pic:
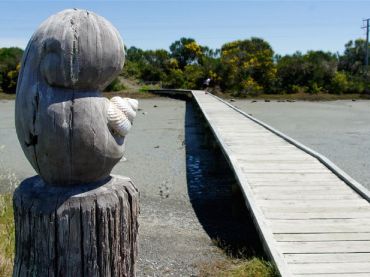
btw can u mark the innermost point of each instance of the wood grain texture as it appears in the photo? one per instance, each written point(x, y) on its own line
point(320, 237)
point(60, 116)
point(327, 258)
point(88, 230)
point(331, 268)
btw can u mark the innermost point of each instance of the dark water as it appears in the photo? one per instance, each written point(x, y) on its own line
point(222, 213)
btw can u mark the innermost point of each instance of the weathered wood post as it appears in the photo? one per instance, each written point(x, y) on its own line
point(74, 218)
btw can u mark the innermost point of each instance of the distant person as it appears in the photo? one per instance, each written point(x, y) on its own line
point(206, 83)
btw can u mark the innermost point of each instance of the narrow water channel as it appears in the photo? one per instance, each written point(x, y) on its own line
point(220, 209)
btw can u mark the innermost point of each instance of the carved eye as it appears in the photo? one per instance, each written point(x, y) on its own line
point(51, 45)
point(51, 64)
point(50, 69)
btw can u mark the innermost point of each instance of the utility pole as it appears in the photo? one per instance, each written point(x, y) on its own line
point(367, 43)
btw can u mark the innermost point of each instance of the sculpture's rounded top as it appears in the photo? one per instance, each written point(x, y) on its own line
point(78, 50)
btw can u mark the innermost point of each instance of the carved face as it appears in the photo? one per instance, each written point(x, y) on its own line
point(61, 120)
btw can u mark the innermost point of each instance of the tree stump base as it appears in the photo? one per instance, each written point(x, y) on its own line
point(87, 230)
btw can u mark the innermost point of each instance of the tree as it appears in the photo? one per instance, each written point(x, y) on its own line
point(310, 72)
point(174, 79)
point(290, 71)
point(134, 54)
point(10, 59)
point(149, 65)
point(186, 51)
point(194, 76)
point(321, 68)
point(154, 66)
point(12, 78)
point(352, 60)
point(247, 65)
point(250, 67)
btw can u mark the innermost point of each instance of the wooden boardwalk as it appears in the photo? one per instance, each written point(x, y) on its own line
point(314, 219)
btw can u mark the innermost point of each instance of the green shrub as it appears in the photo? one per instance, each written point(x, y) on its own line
point(145, 88)
point(194, 76)
point(251, 87)
point(298, 89)
point(131, 70)
point(356, 86)
point(315, 88)
point(175, 79)
point(9, 68)
point(116, 85)
point(339, 83)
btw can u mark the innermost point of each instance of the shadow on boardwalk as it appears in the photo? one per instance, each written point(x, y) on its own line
point(222, 214)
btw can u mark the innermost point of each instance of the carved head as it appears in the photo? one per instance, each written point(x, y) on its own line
point(84, 50)
point(68, 132)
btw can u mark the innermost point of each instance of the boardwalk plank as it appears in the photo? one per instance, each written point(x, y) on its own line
point(308, 214)
point(312, 203)
point(328, 258)
point(282, 165)
point(317, 209)
point(331, 268)
point(305, 247)
point(333, 188)
point(323, 237)
point(309, 196)
point(292, 183)
point(367, 274)
point(320, 226)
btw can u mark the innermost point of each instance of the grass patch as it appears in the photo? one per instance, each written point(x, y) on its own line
point(133, 89)
point(146, 88)
point(8, 182)
point(7, 239)
point(239, 262)
point(130, 94)
point(254, 267)
point(7, 96)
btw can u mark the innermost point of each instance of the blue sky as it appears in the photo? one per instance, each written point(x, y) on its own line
point(287, 25)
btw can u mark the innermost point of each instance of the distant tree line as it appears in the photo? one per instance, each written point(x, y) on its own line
point(242, 67)
point(9, 68)
point(251, 67)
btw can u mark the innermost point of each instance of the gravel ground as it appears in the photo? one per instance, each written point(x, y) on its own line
point(340, 130)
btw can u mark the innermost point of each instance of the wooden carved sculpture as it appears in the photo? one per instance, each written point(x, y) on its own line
point(68, 132)
point(74, 219)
